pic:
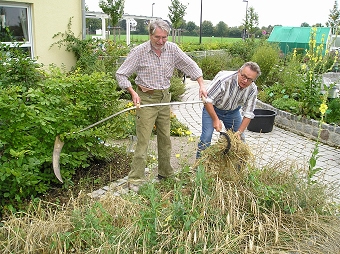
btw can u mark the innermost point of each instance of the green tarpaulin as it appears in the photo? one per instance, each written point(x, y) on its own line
point(290, 38)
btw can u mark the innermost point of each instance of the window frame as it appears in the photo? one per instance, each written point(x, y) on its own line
point(23, 44)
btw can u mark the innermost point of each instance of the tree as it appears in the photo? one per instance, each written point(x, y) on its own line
point(235, 32)
point(221, 29)
point(191, 26)
point(305, 24)
point(252, 21)
point(176, 14)
point(318, 25)
point(141, 27)
point(207, 28)
point(113, 8)
point(334, 18)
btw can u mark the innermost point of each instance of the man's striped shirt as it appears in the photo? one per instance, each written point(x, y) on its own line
point(225, 93)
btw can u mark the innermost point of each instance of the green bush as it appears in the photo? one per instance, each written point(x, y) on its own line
point(212, 64)
point(278, 91)
point(16, 66)
point(266, 56)
point(31, 119)
point(177, 128)
point(286, 72)
point(287, 104)
point(177, 88)
point(243, 49)
point(333, 112)
point(91, 54)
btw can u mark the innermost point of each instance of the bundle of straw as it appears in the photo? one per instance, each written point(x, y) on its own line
point(230, 166)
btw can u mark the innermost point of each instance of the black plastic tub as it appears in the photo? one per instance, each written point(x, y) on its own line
point(263, 121)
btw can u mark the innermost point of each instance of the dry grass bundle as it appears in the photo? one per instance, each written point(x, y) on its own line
point(230, 166)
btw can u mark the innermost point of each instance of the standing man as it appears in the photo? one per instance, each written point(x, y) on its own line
point(227, 93)
point(154, 62)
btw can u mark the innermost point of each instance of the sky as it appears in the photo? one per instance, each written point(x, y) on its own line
point(232, 12)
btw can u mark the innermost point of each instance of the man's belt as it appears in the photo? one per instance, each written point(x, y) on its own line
point(146, 91)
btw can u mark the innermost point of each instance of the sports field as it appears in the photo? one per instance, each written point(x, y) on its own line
point(185, 39)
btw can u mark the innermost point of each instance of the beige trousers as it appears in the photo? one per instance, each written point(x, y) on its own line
point(146, 119)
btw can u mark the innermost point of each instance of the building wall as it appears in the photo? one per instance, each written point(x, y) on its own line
point(50, 17)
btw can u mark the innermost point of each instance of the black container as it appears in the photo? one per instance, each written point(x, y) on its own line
point(263, 121)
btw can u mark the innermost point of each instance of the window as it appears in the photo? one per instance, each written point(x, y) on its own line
point(15, 25)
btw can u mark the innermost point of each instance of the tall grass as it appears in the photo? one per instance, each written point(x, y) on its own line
point(272, 210)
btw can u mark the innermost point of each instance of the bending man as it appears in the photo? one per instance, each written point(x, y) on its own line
point(227, 93)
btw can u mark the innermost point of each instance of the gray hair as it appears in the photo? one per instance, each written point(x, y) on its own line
point(158, 23)
point(253, 66)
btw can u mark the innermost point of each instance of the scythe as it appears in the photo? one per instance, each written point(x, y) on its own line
point(58, 144)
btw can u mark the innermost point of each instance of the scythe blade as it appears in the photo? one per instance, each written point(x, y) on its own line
point(58, 145)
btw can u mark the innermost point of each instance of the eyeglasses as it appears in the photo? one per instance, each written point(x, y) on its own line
point(246, 78)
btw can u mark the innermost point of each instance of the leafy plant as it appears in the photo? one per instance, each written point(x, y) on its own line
point(315, 64)
point(91, 54)
point(333, 112)
point(177, 87)
point(312, 169)
point(177, 128)
point(31, 119)
point(266, 56)
point(287, 104)
point(91, 226)
point(243, 49)
point(214, 63)
point(148, 222)
point(16, 66)
point(299, 77)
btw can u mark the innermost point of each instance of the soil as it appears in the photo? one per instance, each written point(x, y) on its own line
point(102, 173)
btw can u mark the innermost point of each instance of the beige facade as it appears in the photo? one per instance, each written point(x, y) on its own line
point(49, 17)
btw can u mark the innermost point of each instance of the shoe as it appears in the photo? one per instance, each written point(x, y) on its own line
point(160, 178)
point(163, 178)
point(133, 187)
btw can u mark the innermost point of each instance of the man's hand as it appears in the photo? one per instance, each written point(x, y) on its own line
point(217, 125)
point(134, 95)
point(238, 134)
point(135, 99)
point(203, 92)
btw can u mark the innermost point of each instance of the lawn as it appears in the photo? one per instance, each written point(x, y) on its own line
point(185, 39)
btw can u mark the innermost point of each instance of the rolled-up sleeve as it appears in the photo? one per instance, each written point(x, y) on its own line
point(250, 103)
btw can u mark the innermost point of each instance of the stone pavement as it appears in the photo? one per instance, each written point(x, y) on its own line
point(278, 146)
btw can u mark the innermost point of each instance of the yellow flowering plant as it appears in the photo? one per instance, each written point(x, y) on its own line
point(323, 108)
point(177, 128)
point(312, 169)
point(316, 61)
